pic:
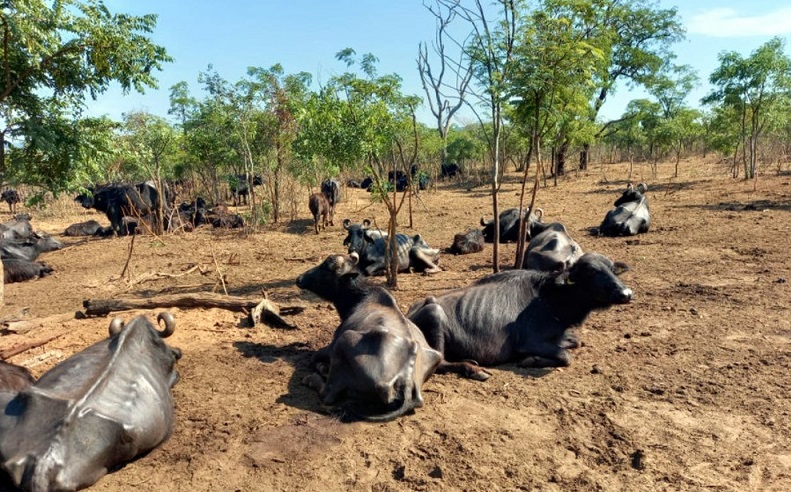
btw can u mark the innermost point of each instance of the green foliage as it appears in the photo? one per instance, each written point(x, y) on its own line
point(55, 55)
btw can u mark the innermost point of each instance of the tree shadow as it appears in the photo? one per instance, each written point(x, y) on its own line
point(737, 206)
point(300, 227)
point(298, 356)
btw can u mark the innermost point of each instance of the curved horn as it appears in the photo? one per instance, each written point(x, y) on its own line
point(629, 187)
point(539, 213)
point(355, 258)
point(642, 187)
point(366, 223)
point(347, 223)
point(116, 325)
point(483, 223)
point(170, 324)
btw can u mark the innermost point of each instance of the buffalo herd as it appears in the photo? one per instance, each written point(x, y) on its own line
point(113, 401)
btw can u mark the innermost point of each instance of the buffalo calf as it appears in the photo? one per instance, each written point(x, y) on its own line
point(320, 208)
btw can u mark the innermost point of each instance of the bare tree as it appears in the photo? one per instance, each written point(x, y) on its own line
point(443, 104)
point(488, 53)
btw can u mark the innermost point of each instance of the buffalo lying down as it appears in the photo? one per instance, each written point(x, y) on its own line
point(551, 248)
point(99, 408)
point(378, 360)
point(631, 214)
point(518, 315)
point(413, 252)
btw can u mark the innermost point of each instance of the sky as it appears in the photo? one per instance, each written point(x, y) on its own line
point(305, 35)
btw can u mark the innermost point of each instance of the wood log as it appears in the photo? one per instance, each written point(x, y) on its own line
point(22, 326)
point(102, 307)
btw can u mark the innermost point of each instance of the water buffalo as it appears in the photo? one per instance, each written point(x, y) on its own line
point(518, 315)
point(17, 228)
point(320, 208)
point(449, 170)
point(551, 248)
point(18, 270)
point(631, 214)
point(87, 228)
point(468, 242)
point(119, 201)
point(11, 197)
point(413, 252)
point(95, 410)
point(331, 188)
point(13, 378)
point(378, 360)
point(30, 248)
point(509, 225)
point(240, 185)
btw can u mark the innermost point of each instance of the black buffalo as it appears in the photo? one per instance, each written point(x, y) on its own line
point(119, 201)
point(240, 185)
point(518, 315)
point(551, 248)
point(378, 360)
point(11, 197)
point(331, 189)
point(468, 242)
point(16, 270)
point(13, 378)
point(29, 248)
point(87, 228)
point(413, 252)
point(631, 214)
point(449, 171)
point(17, 228)
point(509, 225)
point(95, 410)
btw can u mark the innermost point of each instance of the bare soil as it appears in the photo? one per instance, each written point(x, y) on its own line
point(686, 388)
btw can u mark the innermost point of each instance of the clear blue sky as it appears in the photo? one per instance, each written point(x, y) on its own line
point(304, 35)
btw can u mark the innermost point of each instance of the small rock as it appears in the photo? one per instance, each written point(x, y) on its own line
point(436, 472)
point(693, 310)
point(596, 370)
point(780, 280)
point(400, 472)
point(638, 460)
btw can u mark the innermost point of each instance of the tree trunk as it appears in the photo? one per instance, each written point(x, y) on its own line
point(584, 156)
point(560, 158)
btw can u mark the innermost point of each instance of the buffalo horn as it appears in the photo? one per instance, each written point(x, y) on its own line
point(170, 324)
point(116, 325)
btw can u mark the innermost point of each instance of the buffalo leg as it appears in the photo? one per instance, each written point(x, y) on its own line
point(426, 263)
point(431, 319)
point(545, 354)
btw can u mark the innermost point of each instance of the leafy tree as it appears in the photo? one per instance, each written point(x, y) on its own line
point(149, 144)
point(752, 86)
point(635, 37)
point(364, 118)
point(53, 56)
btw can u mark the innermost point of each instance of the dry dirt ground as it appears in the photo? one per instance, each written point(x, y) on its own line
point(686, 388)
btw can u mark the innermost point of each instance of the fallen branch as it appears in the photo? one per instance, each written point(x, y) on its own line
point(268, 312)
point(22, 326)
point(24, 347)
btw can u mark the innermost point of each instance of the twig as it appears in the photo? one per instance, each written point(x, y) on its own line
point(129, 256)
point(145, 277)
point(217, 266)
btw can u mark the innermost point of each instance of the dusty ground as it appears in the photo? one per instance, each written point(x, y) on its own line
point(686, 388)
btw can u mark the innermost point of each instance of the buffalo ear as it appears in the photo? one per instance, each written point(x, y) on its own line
point(619, 268)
